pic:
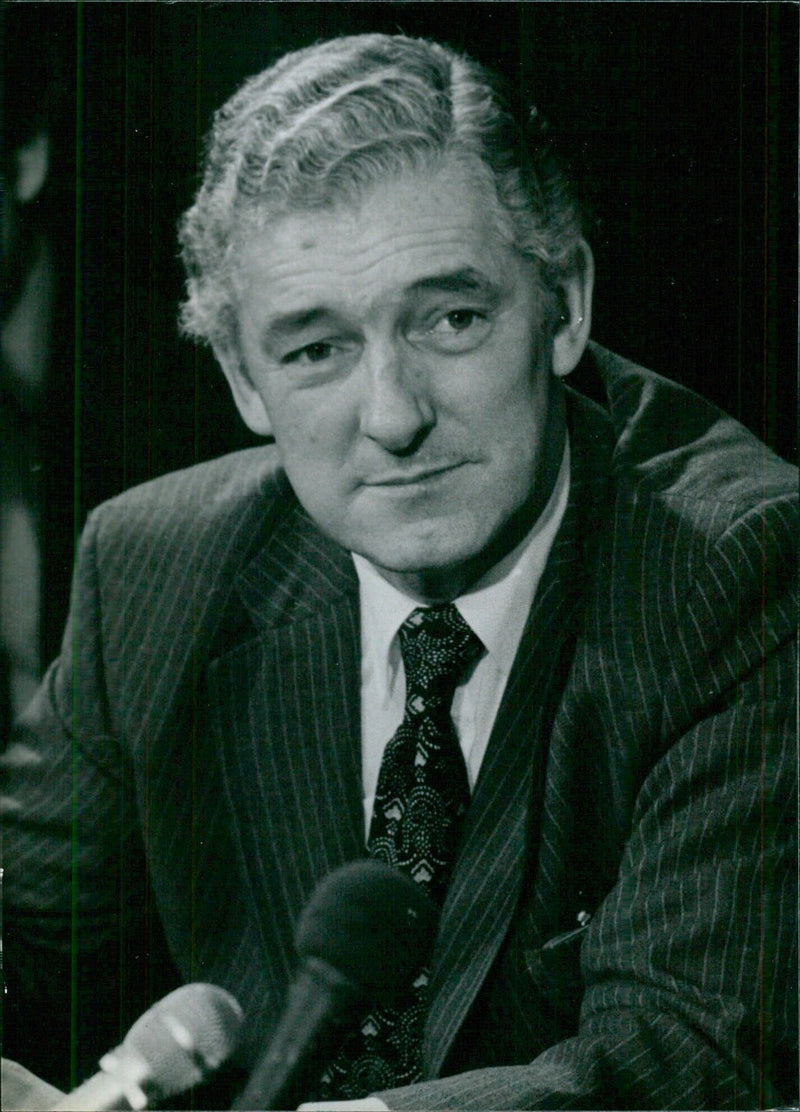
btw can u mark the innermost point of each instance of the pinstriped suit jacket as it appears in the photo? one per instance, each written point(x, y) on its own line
point(197, 772)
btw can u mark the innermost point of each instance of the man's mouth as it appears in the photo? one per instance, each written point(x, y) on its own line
point(412, 476)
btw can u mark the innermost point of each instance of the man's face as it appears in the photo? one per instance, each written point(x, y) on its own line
point(396, 350)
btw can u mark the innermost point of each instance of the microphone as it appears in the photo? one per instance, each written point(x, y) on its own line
point(173, 1046)
point(364, 934)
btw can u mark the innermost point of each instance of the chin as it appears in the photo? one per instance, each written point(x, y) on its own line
point(416, 556)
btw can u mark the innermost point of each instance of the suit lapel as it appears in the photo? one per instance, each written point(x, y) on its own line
point(502, 832)
point(285, 715)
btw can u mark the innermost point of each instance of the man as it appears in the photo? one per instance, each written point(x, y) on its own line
point(394, 281)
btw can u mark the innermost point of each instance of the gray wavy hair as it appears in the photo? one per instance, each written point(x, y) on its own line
point(326, 124)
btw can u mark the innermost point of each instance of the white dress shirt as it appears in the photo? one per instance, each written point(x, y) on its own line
point(496, 608)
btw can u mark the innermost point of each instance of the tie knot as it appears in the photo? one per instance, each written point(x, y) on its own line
point(437, 647)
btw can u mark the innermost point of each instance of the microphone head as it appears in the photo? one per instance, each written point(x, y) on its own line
point(184, 1037)
point(370, 922)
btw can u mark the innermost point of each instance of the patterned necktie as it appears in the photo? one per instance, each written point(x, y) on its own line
point(420, 802)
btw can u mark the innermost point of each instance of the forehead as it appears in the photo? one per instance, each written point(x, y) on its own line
point(411, 229)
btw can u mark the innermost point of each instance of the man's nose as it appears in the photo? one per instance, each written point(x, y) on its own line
point(396, 410)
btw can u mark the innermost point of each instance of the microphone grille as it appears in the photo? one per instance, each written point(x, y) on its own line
point(370, 922)
point(185, 1036)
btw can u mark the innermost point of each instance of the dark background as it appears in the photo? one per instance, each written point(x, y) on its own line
point(679, 120)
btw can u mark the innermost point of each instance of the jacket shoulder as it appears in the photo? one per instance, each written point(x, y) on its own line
point(700, 550)
point(155, 571)
point(674, 452)
point(184, 535)
point(195, 497)
point(185, 513)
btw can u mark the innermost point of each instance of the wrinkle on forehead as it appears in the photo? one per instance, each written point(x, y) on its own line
point(413, 231)
point(472, 182)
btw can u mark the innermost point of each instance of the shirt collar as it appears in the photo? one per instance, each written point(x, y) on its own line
point(496, 607)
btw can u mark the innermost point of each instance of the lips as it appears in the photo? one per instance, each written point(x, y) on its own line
point(413, 476)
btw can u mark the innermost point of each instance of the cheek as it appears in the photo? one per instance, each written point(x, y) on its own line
point(311, 436)
point(507, 390)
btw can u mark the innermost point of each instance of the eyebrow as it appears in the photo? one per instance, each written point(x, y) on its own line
point(289, 324)
point(467, 280)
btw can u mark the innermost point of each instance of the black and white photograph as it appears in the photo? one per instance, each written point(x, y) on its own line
point(398, 555)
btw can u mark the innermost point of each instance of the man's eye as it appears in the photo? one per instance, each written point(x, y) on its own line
point(455, 332)
point(458, 320)
point(311, 353)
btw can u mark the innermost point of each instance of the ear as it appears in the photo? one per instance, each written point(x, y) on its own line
point(575, 300)
point(33, 163)
point(248, 400)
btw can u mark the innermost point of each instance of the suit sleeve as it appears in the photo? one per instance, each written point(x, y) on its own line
point(690, 964)
point(74, 888)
